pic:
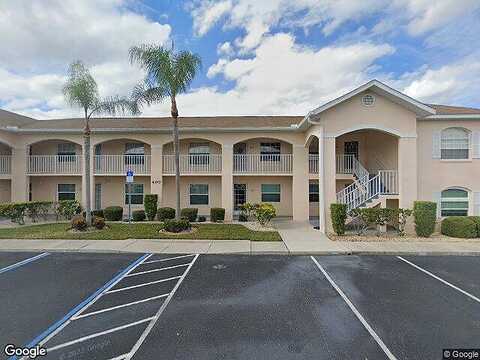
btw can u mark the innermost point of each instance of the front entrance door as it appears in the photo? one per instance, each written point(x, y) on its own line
point(239, 196)
point(351, 148)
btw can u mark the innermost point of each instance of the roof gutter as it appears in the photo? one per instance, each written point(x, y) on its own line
point(452, 117)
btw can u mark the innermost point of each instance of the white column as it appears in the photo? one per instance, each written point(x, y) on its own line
point(19, 181)
point(227, 180)
point(321, 179)
point(156, 177)
point(300, 183)
point(92, 176)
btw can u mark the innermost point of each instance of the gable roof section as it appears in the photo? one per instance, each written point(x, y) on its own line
point(11, 119)
point(380, 88)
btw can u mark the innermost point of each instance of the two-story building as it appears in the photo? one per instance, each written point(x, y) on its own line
point(372, 146)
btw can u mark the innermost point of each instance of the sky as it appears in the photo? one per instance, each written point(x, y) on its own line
point(259, 57)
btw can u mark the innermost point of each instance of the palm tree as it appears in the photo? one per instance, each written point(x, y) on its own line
point(81, 90)
point(169, 74)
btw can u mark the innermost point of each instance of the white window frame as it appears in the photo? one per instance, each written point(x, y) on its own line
point(452, 139)
point(132, 186)
point(74, 192)
point(198, 194)
point(454, 199)
point(279, 192)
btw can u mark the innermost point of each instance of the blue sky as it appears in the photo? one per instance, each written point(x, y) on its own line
point(259, 57)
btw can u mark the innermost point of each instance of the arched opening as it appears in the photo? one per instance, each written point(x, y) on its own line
point(116, 156)
point(54, 157)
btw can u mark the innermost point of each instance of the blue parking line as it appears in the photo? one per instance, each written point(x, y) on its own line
point(72, 312)
point(23, 262)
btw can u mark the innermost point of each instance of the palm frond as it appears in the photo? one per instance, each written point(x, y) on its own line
point(185, 65)
point(81, 88)
point(114, 105)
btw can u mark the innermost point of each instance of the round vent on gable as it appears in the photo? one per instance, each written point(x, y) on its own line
point(368, 100)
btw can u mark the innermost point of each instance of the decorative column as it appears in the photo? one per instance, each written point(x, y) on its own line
point(300, 183)
point(329, 179)
point(156, 173)
point(227, 180)
point(19, 181)
point(92, 176)
point(321, 179)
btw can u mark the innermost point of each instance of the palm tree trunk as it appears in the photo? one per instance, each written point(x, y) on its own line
point(176, 149)
point(86, 154)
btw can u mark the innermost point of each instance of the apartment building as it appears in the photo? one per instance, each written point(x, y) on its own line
point(373, 146)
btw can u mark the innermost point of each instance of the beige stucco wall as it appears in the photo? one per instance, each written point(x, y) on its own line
point(50, 147)
point(113, 190)
point(117, 147)
point(254, 191)
point(5, 191)
point(215, 148)
point(44, 188)
point(214, 192)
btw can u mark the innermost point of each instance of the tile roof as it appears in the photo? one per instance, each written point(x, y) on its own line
point(453, 110)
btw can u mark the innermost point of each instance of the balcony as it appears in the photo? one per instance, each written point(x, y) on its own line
point(193, 164)
point(54, 164)
point(262, 163)
point(5, 164)
point(120, 164)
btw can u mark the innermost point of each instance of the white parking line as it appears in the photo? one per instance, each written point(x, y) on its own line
point(120, 357)
point(171, 258)
point(144, 284)
point(356, 312)
point(23, 262)
point(159, 312)
point(88, 337)
point(473, 297)
point(155, 270)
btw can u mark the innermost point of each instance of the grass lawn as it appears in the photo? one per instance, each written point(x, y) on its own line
point(120, 231)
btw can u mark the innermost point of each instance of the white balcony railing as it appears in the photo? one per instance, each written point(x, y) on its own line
point(313, 163)
point(262, 163)
point(120, 164)
point(193, 164)
point(345, 163)
point(55, 164)
point(5, 164)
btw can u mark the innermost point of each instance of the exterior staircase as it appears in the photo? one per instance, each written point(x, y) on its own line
point(367, 189)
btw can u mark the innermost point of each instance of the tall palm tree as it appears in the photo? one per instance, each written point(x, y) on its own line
point(81, 90)
point(169, 74)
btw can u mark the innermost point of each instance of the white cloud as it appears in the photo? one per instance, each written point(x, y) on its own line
point(207, 12)
point(225, 49)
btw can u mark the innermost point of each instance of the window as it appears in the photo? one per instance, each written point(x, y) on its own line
point(66, 152)
point(454, 202)
point(136, 192)
point(368, 100)
point(313, 192)
point(270, 192)
point(198, 194)
point(66, 192)
point(270, 151)
point(135, 154)
point(454, 143)
point(199, 153)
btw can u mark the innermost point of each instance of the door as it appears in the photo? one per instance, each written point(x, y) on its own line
point(239, 196)
point(350, 148)
point(98, 196)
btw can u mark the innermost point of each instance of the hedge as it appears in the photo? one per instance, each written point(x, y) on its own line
point(150, 202)
point(338, 214)
point(217, 214)
point(189, 213)
point(113, 213)
point(459, 227)
point(476, 220)
point(165, 213)
point(17, 212)
point(138, 215)
point(176, 226)
point(425, 216)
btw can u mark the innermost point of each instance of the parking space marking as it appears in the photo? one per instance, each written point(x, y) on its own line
point(144, 284)
point(355, 311)
point(170, 258)
point(155, 270)
point(23, 262)
point(109, 331)
point(63, 322)
point(120, 357)
point(473, 297)
point(152, 323)
point(119, 306)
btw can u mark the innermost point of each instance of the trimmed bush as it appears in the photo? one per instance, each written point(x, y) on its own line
point(138, 215)
point(176, 226)
point(459, 227)
point(67, 209)
point(217, 214)
point(79, 223)
point(243, 217)
point(165, 213)
point(150, 202)
point(189, 213)
point(201, 218)
point(98, 222)
point(476, 220)
point(113, 213)
point(264, 213)
point(338, 214)
point(425, 216)
point(98, 213)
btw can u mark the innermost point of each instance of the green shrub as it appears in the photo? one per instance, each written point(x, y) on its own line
point(425, 216)
point(338, 214)
point(67, 209)
point(165, 213)
point(176, 226)
point(243, 217)
point(476, 220)
point(217, 214)
point(201, 218)
point(264, 213)
point(138, 215)
point(113, 213)
point(78, 223)
point(37, 209)
point(98, 213)
point(189, 213)
point(401, 217)
point(14, 211)
point(98, 222)
point(459, 227)
point(150, 202)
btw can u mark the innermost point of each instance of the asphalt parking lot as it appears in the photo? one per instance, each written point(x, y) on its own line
point(143, 306)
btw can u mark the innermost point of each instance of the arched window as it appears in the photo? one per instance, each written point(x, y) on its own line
point(454, 202)
point(454, 143)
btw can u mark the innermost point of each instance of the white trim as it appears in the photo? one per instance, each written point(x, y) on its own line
point(452, 117)
point(371, 127)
